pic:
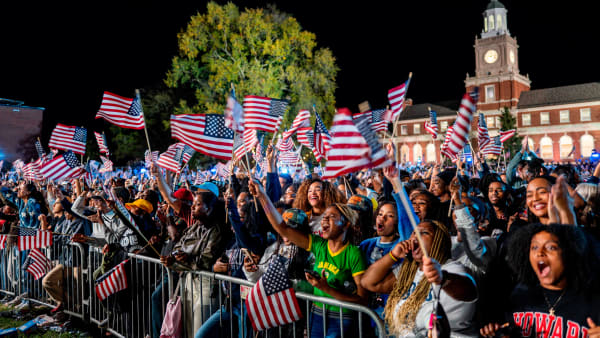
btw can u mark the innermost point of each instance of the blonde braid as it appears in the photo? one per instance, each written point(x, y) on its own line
point(404, 318)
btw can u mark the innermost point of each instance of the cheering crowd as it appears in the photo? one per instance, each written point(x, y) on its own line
point(512, 252)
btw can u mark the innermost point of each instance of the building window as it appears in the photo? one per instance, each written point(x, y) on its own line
point(544, 118)
point(490, 94)
point(431, 153)
point(587, 145)
point(526, 119)
point(489, 121)
point(491, 21)
point(499, 21)
point(404, 129)
point(498, 122)
point(546, 150)
point(404, 150)
point(416, 129)
point(443, 125)
point(566, 146)
point(485, 26)
point(585, 114)
point(564, 116)
point(417, 153)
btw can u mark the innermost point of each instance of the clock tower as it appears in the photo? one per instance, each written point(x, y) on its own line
point(497, 64)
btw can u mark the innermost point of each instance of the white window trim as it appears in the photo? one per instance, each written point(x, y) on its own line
point(568, 116)
point(528, 119)
point(416, 129)
point(548, 114)
point(487, 99)
point(589, 117)
point(404, 129)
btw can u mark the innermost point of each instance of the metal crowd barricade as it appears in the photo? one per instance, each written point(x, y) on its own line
point(363, 314)
point(134, 319)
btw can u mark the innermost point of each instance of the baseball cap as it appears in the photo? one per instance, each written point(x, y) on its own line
point(183, 194)
point(208, 186)
point(142, 204)
point(296, 219)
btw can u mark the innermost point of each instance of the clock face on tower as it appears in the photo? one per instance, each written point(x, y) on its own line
point(490, 56)
point(511, 56)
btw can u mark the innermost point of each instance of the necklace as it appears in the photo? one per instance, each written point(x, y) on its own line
point(551, 307)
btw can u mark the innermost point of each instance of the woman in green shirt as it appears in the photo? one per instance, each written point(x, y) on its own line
point(338, 264)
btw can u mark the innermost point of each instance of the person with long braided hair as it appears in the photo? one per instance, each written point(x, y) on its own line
point(412, 285)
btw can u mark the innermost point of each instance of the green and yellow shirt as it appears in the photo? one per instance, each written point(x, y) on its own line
point(339, 266)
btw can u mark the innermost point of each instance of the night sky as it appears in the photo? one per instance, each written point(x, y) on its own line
point(63, 56)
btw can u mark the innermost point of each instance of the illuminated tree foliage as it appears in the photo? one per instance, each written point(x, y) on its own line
point(261, 51)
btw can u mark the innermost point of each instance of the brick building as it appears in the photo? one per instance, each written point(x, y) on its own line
point(556, 119)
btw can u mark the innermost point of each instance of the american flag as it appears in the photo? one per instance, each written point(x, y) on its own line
point(223, 170)
point(234, 114)
point(102, 145)
point(378, 154)
point(64, 166)
point(466, 155)
point(32, 170)
point(302, 120)
point(263, 113)
point(244, 143)
point(112, 196)
point(107, 165)
point(40, 149)
point(37, 264)
point(183, 153)
point(68, 138)
point(150, 157)
point(306, 137)
point(505, 135)
point(18, 165)
point(494, 147)
point(360, 115)
point(483, 136)
point(113, 281)
point(350, 151)
point(272, 301)
point(322, 139)
point(205, 133)
point(167, 159)
point(122, 111)
point(30, 238)
point(377, 121)
point(431, 126)
point(462, 125)
point(444, 148)
point(201, 177)
point(396, 97)
point(286, 145)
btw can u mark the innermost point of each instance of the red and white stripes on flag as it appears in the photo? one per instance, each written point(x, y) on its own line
point(37, 264)
point(107, 165)
point(150, 157)
point(245, 143)
point(101, 139)
point(483, 136)
point(505, 135)
point(34, 239)
point(322, 139)
point(494, 147)
point(64, 166)
point(272, 301)
point(121, 111)
point(349, 151)
point(68, 138)
point(32, 170)
point(462, 125)
point(167, 159)
point(234, 114)
point(3, 239)
point(396, 97)
point(263, 113)
point(112, 281)
point(205, 133)
point(285, 145)
point(444, 148)
point(302, 120)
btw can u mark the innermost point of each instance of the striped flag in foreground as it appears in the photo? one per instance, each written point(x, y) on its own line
point(377, 120)
point(263, 113)
point(30, 238)
point(107, 165)
point(462, 125)
point(244, 143)
point(431, 126)
point(505, 135)
point(121, 111)
point(285, 145)
point(102, 145)
point(167, 159)
point(494, 147)
point(68, 138)
point(205, 133)
point(64, 166)
point(322, 139)
point(350, 151)
point(302, 120)
point(113, 281)
point(37, 264)
point(396, 97)
point(483, 136)
point(150, 157)
point(3, 239)
point(272, 300)
point(32, 170)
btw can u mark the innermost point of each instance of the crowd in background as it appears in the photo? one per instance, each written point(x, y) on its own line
point(509, 252)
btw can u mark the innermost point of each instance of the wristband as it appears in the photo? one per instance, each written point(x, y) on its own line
point(393, 258)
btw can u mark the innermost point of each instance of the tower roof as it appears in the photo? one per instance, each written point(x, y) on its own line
point(495, 4)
